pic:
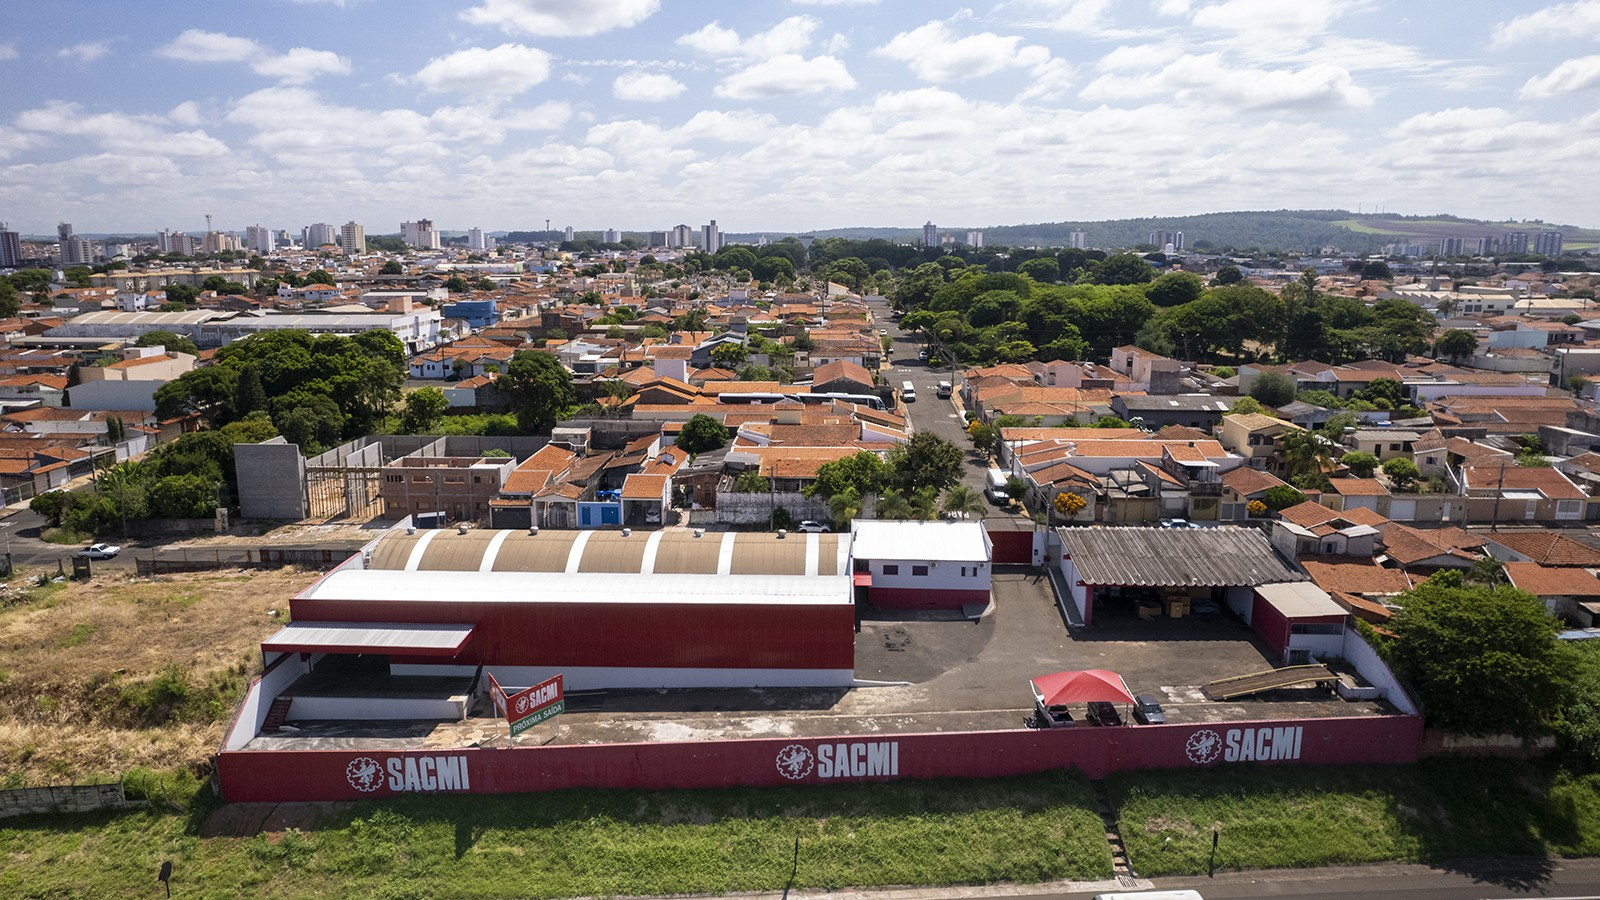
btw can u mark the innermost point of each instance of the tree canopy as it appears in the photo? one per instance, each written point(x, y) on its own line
point(1483, 660)
point(701, 434)
point(539, 387)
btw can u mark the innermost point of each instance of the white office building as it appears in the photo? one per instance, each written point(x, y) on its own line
point(567, 235)
point(974, 239)
point(710, 237)
point(314, 236)
point(1080, 240)
point(352, 238)
point(75, 251)
point(420, 234)
point(258, 239)
point(611, 236)
point(930, 235)
point(477, 240)
point(681, 236)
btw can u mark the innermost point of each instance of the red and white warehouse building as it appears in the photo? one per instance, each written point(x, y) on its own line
point(922, 565)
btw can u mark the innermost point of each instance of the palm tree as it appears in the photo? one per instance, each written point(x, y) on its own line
point(963, 501)
point(925, 503)
point(1304, 452)
point(892, 504)
point(844, 506)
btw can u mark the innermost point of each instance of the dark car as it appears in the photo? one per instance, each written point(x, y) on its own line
point(1102, 713)
point(1146, 711)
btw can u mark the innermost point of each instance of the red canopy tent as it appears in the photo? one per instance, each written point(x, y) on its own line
point(1088, 686)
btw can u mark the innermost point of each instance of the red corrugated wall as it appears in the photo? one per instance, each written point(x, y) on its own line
point(673, 635)
point(1012, 547)
point(283, 776)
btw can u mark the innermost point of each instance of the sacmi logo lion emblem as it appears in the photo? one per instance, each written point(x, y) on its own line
point(522, 704)
point(363, 774)
point(1203, 747)
point(794, 762)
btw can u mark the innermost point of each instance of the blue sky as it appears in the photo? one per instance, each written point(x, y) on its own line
point(789, 115)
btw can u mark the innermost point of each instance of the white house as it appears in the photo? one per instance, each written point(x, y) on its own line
point(922, 565)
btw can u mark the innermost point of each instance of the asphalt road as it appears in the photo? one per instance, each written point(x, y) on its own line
point(929, 412)
point(21, 539)
point(1473, 880)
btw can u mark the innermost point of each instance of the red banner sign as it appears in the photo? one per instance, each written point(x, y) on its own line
point(534, 705)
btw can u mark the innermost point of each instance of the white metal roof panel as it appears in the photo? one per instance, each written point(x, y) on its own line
point(1300, 600)
point(580, 587)
point(956, 541)
point(368, 637)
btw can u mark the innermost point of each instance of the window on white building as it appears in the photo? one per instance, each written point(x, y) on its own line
point(891, 570)
point(919, 570)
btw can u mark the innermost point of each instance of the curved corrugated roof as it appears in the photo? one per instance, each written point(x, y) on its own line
point(658, 552)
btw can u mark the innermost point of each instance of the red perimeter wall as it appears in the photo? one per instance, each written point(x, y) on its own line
point(667, 635)
point(335, 775)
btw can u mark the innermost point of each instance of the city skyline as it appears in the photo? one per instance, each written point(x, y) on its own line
point(788, 117)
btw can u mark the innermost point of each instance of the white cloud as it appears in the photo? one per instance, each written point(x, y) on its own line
point(197, 45)
point(646, 86)
point(119, 132)
point(7, 51)
point(784, 76)
point(1567, 20)
point(1206, 81)
point(186, 113)
point(301, 65)
point(561, 18)
point(935, 54)
point(1268, 19)
point(506, 69)
point(1580, 74)
point(13, 142)
point(792, 35)
point(837, 2)
point(86, 52)
point(296, 125)
point(1079, 16)
point(1142, 57)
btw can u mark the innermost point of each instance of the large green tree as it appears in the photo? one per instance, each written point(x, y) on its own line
point(1483, 660)
point(1123, 268)
point(1273, 389)
point(1455, 344)
point(925, 461)
point(701, 434)
point(424, 407)
point(1176, 289)
point(208, 392)
point(861, 473)
point(539, 389)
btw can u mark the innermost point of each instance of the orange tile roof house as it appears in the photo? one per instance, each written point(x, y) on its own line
point(1543, 547)
point(1569, 592)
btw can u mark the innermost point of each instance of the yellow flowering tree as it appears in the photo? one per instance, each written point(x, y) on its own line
point(1068, 504)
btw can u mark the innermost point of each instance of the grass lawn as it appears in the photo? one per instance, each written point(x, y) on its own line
point(1323, 815)
point(590, 843)
point(1356, 226)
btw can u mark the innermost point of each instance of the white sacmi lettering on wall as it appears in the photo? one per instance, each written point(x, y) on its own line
point(421, 774)
point(1263, 744)
point(858, 760)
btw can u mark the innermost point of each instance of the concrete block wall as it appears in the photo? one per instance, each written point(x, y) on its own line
point(754, 509)
point(71, 798)
point(272, 480)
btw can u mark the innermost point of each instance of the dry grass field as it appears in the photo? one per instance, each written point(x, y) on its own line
point(114, 672)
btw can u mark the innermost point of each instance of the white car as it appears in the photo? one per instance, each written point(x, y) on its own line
point(810, 527)
point(99, 551)
point(652, 517)
point(883, 332)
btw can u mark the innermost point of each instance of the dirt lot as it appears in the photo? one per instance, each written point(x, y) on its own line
point(114, 672)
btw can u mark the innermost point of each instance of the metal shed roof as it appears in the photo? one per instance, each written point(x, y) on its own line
point(1302, 600)
point(596, 552)
point(579, 587)
point(1174, 557)
point(368, 637)
point(949, 540)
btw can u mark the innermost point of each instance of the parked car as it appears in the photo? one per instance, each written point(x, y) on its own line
point(922, 355)
point(99, 551)
point(883, 332)
point(1102, 713)
point(652, 517)
point(811, 527)
point(1146, 711)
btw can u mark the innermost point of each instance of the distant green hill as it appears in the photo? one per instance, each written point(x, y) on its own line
point(1285, 229)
